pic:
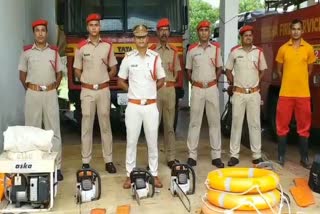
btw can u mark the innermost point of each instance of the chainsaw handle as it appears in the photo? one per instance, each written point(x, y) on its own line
point(190, 169)
point(94, 175)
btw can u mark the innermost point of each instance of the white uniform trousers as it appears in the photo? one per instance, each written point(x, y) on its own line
point(207, 98)
point(135, 116)
point(249, 103)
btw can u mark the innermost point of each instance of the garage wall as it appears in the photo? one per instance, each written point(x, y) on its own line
point(15, 20)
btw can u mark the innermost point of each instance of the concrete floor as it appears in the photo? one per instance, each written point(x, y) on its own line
point(162, 203)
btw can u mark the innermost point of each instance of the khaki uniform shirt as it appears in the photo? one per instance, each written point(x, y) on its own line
point(139, 72)
point(170, 61)
point(94, 61)
point(203, 61)
point(246, 66)
point(41, 65)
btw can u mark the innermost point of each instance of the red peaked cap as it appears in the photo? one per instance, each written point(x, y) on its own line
point(245, 28)
point(93, 17)
point(39, 22)
point(163, 23)
point(204, 23)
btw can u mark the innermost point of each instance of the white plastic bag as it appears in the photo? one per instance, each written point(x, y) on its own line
point(27, 138)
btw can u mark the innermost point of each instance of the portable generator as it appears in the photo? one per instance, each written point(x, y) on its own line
point(33, 189)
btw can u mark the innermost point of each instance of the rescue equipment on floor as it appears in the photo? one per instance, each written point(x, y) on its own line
point(30, 189)
point(314, 177)
point(241, 179)
point(243, 190)
point(88, 185)
point(2, 185)
point(182, 183)
point(98, 211)
point(228, 201)
point(142, 184)
point(302, 193)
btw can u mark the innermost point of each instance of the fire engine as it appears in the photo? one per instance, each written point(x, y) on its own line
point(271, 30)
point(118, 19)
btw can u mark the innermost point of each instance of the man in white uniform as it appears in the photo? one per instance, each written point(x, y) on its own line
point(143, 70)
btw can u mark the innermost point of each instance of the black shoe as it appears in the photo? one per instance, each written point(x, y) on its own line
point(257, 161)
point(303, 147)
point(85, 166)
point(110, 168)
point(170, 163)
point(218, 163)
point(59, 175)
point(233, 161)
point(191, 162)
point(305, 163)
point(282, 147)
point(281, 160)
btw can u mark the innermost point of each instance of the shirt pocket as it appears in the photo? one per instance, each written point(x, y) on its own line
point(34, 62)
point(196, 59)
point(87, 58)
point(51, 60)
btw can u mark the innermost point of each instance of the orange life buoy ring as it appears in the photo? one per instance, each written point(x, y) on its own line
point(211, 209)
point(239, 180)
point(227, 200)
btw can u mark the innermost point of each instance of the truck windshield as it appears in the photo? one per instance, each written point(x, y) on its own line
point(123, 15)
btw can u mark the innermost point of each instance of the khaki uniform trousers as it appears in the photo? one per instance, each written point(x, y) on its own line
point(135, 116)
point(166, 102)
point(206, 98)
point(92, 101)
point(249, 103)
point(41, 107)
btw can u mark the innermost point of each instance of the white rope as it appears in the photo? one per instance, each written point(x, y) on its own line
point(282, 198)
point(226, 210)
point(281, 201)
point(250, 203)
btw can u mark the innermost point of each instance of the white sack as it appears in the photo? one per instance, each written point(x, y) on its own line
point(27, 138)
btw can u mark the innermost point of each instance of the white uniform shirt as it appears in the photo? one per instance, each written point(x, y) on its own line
point(138, 70)
point(246, 66)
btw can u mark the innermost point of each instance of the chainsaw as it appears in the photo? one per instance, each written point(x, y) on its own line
point(88, 185)
point(183, 182)
point(142, 184)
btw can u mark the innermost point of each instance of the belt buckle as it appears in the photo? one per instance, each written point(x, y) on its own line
point(96, 86)
point(205, 85)
point(248, 90)
point(43, 87)
point(143, 102)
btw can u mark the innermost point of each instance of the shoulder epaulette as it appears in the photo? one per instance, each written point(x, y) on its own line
point(106, 41)
point(153, 46)
point(53, 47)
point(259, 48)
point(82, 43)
point(27, 47)
point(192, 46)
point(153, 52)
point(215, 44)
point(173, 47)
point(235, 47)
point(131, 52)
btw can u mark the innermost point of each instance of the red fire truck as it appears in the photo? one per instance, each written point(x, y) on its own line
point(271, 31)
point(118, 19)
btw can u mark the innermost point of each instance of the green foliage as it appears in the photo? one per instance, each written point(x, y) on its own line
point(200, 10)
point(250, 5)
